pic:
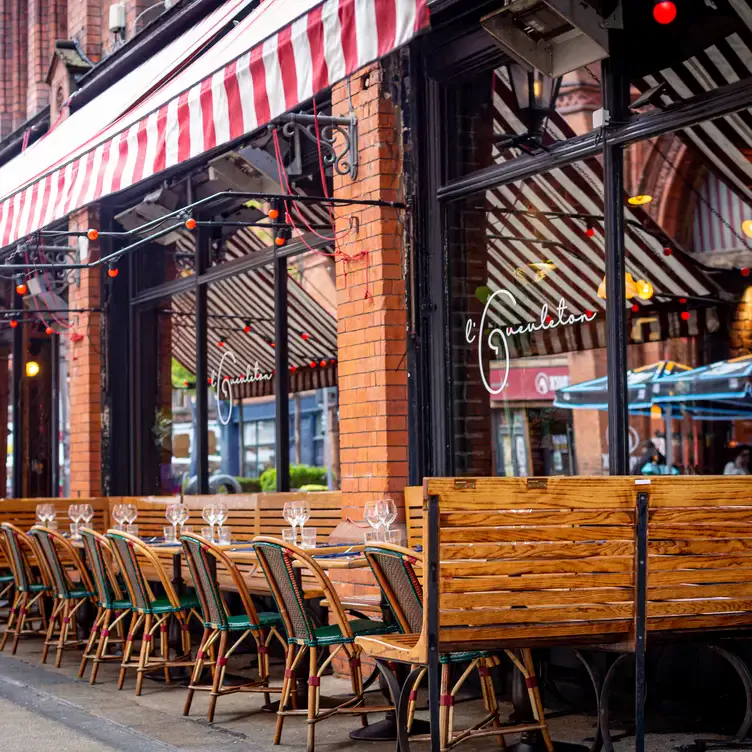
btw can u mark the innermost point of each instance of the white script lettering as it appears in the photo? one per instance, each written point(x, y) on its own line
point(224, 384)
point(497, 337)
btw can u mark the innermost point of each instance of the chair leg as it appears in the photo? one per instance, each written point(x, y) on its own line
point(287, 685)
point(198, 667)
point(11, 618)
point(144, 655)
point(489, 695)
point(313, 696)
point(219, 676)
point(93, 635)
point(535, 698)
point(57, 607)
point(64, 626)
point(136, 620)
point(164, 650)
point(444, 709)
point(20, 623)
point(104, 634)
point(356, 679)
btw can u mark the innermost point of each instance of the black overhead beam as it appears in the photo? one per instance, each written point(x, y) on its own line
point(713, 104)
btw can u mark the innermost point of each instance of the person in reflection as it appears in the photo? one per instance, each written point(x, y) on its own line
point(739, 464)
point(650, 457)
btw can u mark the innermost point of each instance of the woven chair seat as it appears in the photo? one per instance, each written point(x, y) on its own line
point(38, 587)
point(331, 634)
point(463, 656)
point(163, 605)
point(6, 578)
point(241, 622)
point(80, 594)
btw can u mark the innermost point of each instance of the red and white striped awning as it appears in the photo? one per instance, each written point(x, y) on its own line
point(280, 55)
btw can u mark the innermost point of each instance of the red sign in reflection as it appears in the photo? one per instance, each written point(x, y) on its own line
point(530, 383)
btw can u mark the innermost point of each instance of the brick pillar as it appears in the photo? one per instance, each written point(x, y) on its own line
point(86, 367)
point(13, 58)
point(371, 305)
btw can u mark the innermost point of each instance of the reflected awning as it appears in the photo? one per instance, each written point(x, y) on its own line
point(276, 57)
point(724, 143)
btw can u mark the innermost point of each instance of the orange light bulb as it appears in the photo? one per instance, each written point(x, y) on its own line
point(92, 234)
point(190, 223)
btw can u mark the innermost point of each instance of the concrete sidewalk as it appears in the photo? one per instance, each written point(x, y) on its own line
point(41, 704)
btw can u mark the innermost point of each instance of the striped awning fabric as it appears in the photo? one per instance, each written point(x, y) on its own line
point(541, 274)
point(725, 143)
point(280, 55)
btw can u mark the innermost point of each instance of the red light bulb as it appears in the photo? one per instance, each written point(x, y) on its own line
point(293, 369)
point(185, 383)
point(13, 323)
point(667, 251)
point(21, 288)
point(323, 363)
point(664, 12)
point(312, 364)
point(590, 232)
point(112, 272)
point(220, 343)
point(685, 315)
point(49, 330)
point(745, 271)
point(305, 336)
point(683, 301)
point(635, 308)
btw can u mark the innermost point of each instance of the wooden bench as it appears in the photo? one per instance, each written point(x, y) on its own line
point(515, 563)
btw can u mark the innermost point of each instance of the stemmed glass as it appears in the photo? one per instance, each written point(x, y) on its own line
point(131, 512)
point(118, 514)
point(221, 514)
point(289, 514)
point(87, 514)
point(75, 512)
point(172, 513)
point(302, 514)
point(209, 513)
point(183, 515)
point(388, 512)
point(46, 513)
point(372, 514)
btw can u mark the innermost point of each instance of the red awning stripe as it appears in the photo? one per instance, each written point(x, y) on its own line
point(328, 42)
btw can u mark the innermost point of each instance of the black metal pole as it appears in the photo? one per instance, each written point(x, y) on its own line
point(282, 385)
point(55, 417)
point(203, 255)
point(615, 99)
point(133, 381)
point(434, 668)
point(17, 376)
point(641, 614)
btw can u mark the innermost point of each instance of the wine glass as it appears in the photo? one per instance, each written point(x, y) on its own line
point(87, 514)
point(221, 512)
point(302, 513)
point(289, 515)
point(372, 515)
point(172, 513)
point(118, 515)
point(41, 513)
point(131, 512)
point(50, 512)
point(388, 515)
point(74, 512)
point(183, 515)
point(209, 513)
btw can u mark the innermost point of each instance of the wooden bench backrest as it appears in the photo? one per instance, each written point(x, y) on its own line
point(526, 562)
point(23, 512)
point(699, 553)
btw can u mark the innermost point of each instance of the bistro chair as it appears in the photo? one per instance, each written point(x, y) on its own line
point(6, 578)
point(220, 626)
point(393, 568)
point(278, 560)
point(150, 613)
point(71, 588)
point(31, 585)
point(113, 607)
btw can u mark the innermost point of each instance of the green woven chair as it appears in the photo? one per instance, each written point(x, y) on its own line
point(6, 578)
point(278, 560)
point(149, 613)
point(393, 568)
point(30, 585)
point(69, 594)
point(221, 626)
point(113, 607)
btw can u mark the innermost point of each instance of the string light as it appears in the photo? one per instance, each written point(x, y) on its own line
point(640, 199)
point(664, 11)
point(21, 287)
point(190, 223)
point(323, 364)
point(312, 364)
point(305, 336)
point(92, 234)
point(273, 214)
point(112, 271)
point(685, 315)
point(13, 323)
point(49, 331)
point(32, 369)
point(668, 251)
point(745, 271)
point(590, 231)
point(247, 327)
point(220, 343)
point(635, 308)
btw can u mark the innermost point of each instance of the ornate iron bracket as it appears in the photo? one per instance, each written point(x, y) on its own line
point(60, 264)
point(337, 137)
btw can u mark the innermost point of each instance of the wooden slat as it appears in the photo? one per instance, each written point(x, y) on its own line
point(603, 564)
point(533, 582)
point(692, 590)
point(510, 635)
point(701, 606)
point(681, 548)
point(486, 616)
point(699, 532)
point(665, 563)
point(524, 517)
point(527, 534)
point(514, 493)
point(539, 550)
point(548, 597)
point(683, 577)
point(704, 491)
point(726, 515)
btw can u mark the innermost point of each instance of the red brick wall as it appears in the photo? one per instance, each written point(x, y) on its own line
point(47, 22)
point(13, 64)
point(371, 304)
point(85, 373)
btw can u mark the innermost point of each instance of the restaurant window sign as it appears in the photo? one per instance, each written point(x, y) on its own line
point(225, 385)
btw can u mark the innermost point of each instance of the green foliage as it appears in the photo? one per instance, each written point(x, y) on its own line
point(180, 374)
point(249, 485)
point(314, 487)
point(300, 476)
